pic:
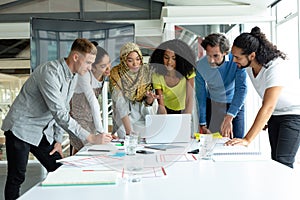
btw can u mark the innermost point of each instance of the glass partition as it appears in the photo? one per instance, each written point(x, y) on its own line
point(52, 38)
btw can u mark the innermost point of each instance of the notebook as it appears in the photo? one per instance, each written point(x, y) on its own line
point(78, 176)
point(165, 129)
point(235, 153)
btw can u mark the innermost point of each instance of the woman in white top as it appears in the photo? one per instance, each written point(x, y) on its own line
point(279, 89)
point(85, 108)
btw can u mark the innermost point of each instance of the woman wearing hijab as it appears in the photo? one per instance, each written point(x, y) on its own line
point(131, 92)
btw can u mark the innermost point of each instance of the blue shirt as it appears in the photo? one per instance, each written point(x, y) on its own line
point(224, 84)
point(42, 106)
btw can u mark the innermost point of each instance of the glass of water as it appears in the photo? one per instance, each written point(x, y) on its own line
point(130, 144)
point(134, 166)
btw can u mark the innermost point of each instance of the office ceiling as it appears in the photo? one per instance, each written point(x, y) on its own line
point(259, 3)
point(100, 10)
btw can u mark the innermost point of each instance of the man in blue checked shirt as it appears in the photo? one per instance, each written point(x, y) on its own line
point(221, 89)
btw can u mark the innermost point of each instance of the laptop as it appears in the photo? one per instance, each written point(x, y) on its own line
point(166, 129)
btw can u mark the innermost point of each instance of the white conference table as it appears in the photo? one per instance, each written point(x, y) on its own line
point(201, 179)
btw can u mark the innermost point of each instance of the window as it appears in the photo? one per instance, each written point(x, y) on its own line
point(52, 38)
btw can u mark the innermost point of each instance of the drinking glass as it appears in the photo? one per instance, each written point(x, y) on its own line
point(205, 146)
point(134, 166)
point(130, 144)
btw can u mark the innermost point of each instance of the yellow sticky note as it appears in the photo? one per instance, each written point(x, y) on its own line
point(217, 135)
point(197, 136)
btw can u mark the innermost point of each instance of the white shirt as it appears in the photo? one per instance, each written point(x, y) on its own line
point(278, 73)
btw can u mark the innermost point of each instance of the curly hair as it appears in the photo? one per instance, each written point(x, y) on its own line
point(256, 41)
point(216, 39)
point(185, 58)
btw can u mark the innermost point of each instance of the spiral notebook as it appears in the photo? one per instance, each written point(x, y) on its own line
point(235, 153)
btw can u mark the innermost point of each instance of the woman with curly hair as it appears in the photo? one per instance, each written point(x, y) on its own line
point(173, 80)
point(271, 76)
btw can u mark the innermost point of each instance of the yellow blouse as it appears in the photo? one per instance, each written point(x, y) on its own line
point(174, 97)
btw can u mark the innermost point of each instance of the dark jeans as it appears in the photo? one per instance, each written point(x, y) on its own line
point(284, 136)
point(17, 152)
point(169, 111)
point(219, 110)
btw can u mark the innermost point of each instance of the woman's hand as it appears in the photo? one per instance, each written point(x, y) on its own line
point(114, 137)
point(102, 138)
point(150, 97)
point(237, 141)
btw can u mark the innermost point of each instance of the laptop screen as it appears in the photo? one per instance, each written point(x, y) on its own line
point(170, 128)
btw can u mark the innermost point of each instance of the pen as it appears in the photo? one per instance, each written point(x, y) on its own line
point(123, 173)
point(163, 170)
point(194, 151)
point(194, 157)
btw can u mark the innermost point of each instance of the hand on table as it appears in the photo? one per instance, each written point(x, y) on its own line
point(237, 141)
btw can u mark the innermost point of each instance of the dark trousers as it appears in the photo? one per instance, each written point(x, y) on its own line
point(215, 113)
point(170, 111)
point(17, 152)
point(284, 136)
